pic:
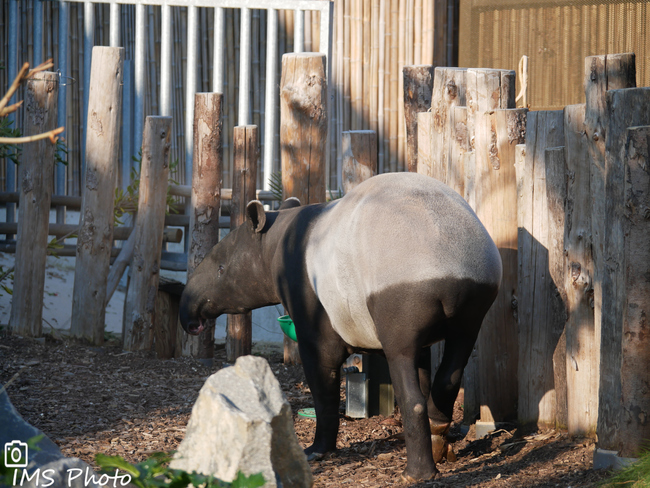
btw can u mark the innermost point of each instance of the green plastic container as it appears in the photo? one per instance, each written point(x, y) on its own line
point(286, 324)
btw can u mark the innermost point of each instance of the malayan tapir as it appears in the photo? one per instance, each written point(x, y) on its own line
point(397, 264)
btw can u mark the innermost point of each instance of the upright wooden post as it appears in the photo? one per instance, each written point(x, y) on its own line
point(602, 73)
point(35, 183)
point(624, 398)
point(541, 309)
point(206, 200)
point(496, 207)
point(303, 136)
point(359, 157)
point(492, 188)
point(95, 238)
point(449, 88)
point(418, 85)
point(139, 306)
point(582, 341)
point(239, 332)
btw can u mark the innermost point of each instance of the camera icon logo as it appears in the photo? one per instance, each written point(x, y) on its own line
point(16, 454)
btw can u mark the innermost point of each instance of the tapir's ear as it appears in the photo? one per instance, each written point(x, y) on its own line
point(255, 215)
point(290, 202)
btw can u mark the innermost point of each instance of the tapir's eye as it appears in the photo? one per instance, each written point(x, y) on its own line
point(221, 269)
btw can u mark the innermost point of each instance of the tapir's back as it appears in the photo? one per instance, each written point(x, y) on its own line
point(397, 231)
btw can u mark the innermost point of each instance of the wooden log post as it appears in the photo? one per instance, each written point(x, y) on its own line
point(95, 238)
point(359, 157)
point(602, 73)
point(303, 136)
point(449, 89)
point(140, 302)
point(489, 188)
point(461, 159)
point(582, 340)
point(35, 177)
point(541, 309)
point(624, 399)
point(239, 334)
point(418, 86)
point(496, 207)
point(205, 203)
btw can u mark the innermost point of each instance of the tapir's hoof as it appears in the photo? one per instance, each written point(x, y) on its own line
point(439, 429)
point(315, 456)
point(438, 448)
point(451, 455)
point(408, 479)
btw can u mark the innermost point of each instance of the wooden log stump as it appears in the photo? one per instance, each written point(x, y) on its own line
point(418, 86)
point(35, 177)
point(239, 332)
point(303, 137)
point(359, 157)
point(140, 302)
point(624, 401)
point(602, 73)
point(582, 340)
point(95, 237)
point(205, 203)
point(541, 310)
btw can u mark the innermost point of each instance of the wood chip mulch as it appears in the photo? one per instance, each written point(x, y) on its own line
point(91, 400)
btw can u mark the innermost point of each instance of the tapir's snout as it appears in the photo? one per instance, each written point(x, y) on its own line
point(189, 314)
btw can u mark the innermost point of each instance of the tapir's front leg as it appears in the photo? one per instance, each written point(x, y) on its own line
point(322, 353)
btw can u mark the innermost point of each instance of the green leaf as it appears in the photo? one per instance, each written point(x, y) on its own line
point(111, 462)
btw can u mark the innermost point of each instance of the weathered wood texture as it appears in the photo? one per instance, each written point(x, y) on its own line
point(418, 86)
point(167, 326)
point(624, 401)
point(239, 331)
point(205, 203)
point(35, 181)
point(488, 90)
point(582, 341)
point(140, 302)
point(303, 135)
point(496, 207)
point(541, 261)
point(303, 128)
point(602, 73)
point(461, 159)
point(95, 237)
point(359, 157)
point(449, 88)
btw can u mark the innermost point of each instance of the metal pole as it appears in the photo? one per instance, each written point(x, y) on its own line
point(38, 32)
point(219, 49)
point(326, 30)
point(165, 60)
point(270, 119)
point(127, 123)
point(299, 31)
point(62, 103)
point(89, 40)
point(114, 40)
point(12, 71)
point(244, 67)
point(192, 44)
point(140, 62)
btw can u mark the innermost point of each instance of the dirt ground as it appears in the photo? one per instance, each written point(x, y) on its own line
point(91, 400)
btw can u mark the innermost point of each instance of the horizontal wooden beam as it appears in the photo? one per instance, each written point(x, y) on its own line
point(119, 233)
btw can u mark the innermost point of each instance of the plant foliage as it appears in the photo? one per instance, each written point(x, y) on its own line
point(636, 475)
point(155, 473)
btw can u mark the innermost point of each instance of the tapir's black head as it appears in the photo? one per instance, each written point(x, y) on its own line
point(233, 277)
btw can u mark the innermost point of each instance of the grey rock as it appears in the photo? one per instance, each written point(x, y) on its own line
point(242, 422)
point(48, 457)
